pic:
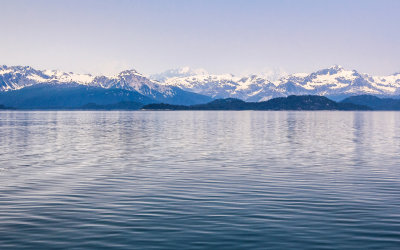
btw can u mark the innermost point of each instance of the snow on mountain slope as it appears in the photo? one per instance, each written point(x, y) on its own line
point(389, 83)
point(60, 76)
point(250, 87)
point(134, 81)
point(215, 86)
point(338, 81)
point(16, 77)
point(333, 81)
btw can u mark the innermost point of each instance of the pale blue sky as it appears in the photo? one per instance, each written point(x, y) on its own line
point(220, 36)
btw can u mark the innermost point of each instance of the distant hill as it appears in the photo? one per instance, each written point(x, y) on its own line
point(374, 102)
point(67, 96)
point(4, 107)
point(307, 102)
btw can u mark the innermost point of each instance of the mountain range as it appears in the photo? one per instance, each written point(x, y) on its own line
point(334, 82)
point(26, 87)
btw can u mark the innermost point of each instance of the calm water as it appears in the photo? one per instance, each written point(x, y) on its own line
point(173, 180)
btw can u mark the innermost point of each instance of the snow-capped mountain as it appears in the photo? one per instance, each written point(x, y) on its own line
point(185, 86)
point(134, 81)
point(335, 82)
point(19, 77)
point(216, 86)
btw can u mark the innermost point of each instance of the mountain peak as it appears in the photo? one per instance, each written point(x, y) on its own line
point(332, 70)
point(129, 72)
point(273, 74)
point(178, 72)
point(336, 67)
point(186, 70)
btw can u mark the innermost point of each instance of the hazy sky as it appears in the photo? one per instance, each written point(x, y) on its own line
point(220, 36)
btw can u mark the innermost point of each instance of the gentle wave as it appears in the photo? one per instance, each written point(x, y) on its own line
point(201, 179)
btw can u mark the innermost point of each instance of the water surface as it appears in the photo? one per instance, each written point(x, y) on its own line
point(200, 179)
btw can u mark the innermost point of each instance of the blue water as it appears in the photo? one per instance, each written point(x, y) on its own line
point(200, 180)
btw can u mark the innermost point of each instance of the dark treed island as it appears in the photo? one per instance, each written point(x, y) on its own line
point(115, 106)
point(5, 107)
point(307, 102)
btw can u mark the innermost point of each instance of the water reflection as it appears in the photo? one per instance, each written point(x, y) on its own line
point(199, 179)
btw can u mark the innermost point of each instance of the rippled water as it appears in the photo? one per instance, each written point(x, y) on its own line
point(234, 180)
